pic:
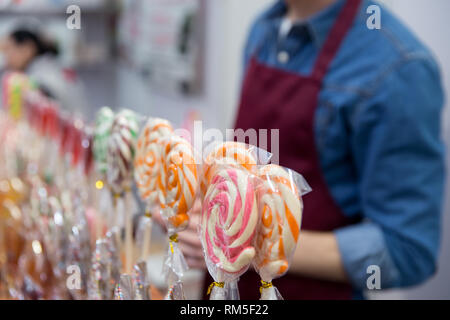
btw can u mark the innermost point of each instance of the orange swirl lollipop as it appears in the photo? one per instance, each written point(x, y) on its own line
point(179, 181)
point(148, 158)
point(281, 208)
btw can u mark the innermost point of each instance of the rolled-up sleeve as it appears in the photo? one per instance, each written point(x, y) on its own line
point(399, 156)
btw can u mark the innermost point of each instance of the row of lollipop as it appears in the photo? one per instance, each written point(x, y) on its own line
point(45, 162)
point(251, 215)
point(251, 210)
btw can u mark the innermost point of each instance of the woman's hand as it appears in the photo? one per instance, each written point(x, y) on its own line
point(189, 240)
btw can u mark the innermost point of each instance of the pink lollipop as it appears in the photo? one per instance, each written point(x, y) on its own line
point(229, 221)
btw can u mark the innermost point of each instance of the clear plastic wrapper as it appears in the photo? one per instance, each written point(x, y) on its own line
point(114, 261)
point(144, 235)
point(124, 289)
point(233, 290)
point(279, 195)
point(55, 238)
point(141, 282)
point(227, 229)
point(231, 154)
point(229, 214)
point(121, 148)
point(101, 132)
point(175, 290)
point(103, 123)
point(14, 88)
point(177, 193)
point(99, 287)
point(147, 165)
point(79, 251)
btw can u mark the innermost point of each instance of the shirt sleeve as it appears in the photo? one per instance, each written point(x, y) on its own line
point(399, 157)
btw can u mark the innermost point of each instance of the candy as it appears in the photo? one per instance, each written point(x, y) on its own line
point(234, 154)
point(179, 181)
point(147, 163)
point(229, 220)
point(103, 124)
point(14, 86)
point(281, 211)
point(120, 151)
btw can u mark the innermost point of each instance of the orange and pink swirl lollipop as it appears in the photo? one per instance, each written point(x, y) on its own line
point(228, 225)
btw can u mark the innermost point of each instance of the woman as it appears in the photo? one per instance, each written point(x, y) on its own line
point(359, 116)
point(26, 50)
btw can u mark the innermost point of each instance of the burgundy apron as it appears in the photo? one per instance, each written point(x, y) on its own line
point(276, 99)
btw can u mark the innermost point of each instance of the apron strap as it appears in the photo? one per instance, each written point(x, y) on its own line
point(335, 37)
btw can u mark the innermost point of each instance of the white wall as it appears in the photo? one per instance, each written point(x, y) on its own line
point(238, 18)
point(227, 23)
point(135, 93)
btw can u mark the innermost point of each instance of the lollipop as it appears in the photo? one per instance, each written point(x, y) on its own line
point(99, 151)
point(176, 192)
point(103, 124)
point(15, 85)
point(120, 150)
point(229, 153)
point(281, 211)
point(147, 163)
point(179, 182)
point(229, 220)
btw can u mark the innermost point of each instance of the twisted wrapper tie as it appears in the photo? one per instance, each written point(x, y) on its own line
point(265, 285)
point(173, 238)
point(116, 197)
point(148, 214)
point(215, 284)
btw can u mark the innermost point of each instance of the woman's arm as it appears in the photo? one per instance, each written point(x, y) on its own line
point(318, 256)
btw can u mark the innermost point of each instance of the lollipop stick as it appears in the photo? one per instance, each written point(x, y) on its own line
point(234, 290)
point(98, 225)
point(128, 234)
point(97, 200)
point(148, 222)
point(116, 222)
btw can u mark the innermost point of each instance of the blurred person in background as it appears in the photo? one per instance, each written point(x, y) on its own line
point(359, 114)
point(26, 49)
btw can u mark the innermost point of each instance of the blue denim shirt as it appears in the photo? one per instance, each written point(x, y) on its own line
point(378, 135)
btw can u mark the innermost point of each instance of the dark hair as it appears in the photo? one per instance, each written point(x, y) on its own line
point(22, 36)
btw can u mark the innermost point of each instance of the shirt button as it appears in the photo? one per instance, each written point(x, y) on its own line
point(283, 57)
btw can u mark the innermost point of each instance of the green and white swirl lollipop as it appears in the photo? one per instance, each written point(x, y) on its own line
point(103, 125)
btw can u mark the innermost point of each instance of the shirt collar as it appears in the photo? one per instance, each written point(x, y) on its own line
point(318, 25)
